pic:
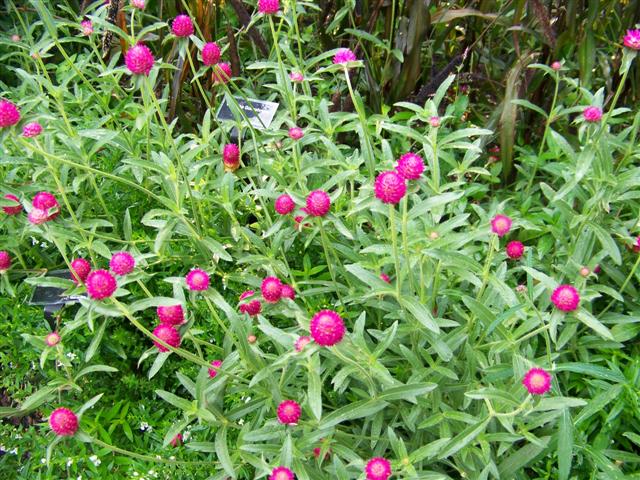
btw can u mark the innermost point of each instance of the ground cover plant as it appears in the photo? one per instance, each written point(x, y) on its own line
point(426, 266)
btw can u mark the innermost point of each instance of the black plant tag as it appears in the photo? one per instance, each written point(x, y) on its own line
point(259, 113)
point(53, 298)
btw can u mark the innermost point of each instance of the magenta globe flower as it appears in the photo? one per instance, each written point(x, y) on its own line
point(318, 203)
point(5, 261)
point(271, 289)
point(139, 59)
point(63, 422)
point(52, 339)
point(197, 280)
point(80, 270)
point(231, 157)
point(327, 328)
point(168, 334)
point(302, 342)
point(9, 114)
point(390, 187)
point(410, 166)
point(288, 292)
point(515, 250)
point(556, 65)
point(296, 77)
point(12, 210)
point(344, 56)
point(565, 298)
point(182, 26)
point(281, 473)
point(632, 39)
point(100, 284)
point(592, 114)
point(171, 315)
point(122, 263)
point(31, 129)
point(500, 225)
point(284, 204)
point(268, 7)
point(378, 468)
point(289, 412)
point(86, 27)
point(215, 364)
point(221, 73)
point(537, 381)
point(296, 133)
point(210, 53)
point(139, 4)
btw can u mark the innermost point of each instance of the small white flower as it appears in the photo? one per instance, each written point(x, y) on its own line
point(241, 421)
point(186, 435)
point(69, 462)
point(144, 426)
point(44, 245)
point(43, 460)
point(14, 451)
point(95, 460)
point(17, 436)
point(71, 356)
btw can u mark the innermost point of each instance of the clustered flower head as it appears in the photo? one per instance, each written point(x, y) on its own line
point(210, 53)
point(5, 261)
point(252, 307)
point(592, 114)
point(318, 203)
point(221, 73)
point(288, 292)
point(177, 440)
point(327, 328)
point(9, 114)
point(139, 4)
point(12, 210)
point(268, 7)
point(271, 289)
point(284, 204)
point(556, 65)
point(390, 187)
point(122, 263)
point(302, 342)
point(87, 27)
point(168, 334)
point(344, 56)
point(197, 280)
point(170, 315)
point(378, 468)
point(139, 59)
point(434, 121)
point(182, 26)
point(515, 249)
point(410, 166)
point(63, 422)
point(537, 381)
point(281, 473)
point(31, 129)
point(52, 339)
point(632, 39)
point(231, 157)
point(500, 225)
point(296, 133)
point(214, 371)
point(296, 77)
point(565, 298)
point(289, 412)
point(80, 269)
point(100, 284)
point(385, 278)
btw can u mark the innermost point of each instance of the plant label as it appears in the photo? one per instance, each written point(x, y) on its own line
point(258, 113)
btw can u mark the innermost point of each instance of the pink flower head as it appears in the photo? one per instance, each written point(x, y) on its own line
point(289, 412)
point(37, 216)
point(268, 7)
point(253, 307)
point(288, 292)
point(182, 26)
point(592, 114)
point(344, 56)
point(378, 468)
point(318, 203)
point(12, 210)
point(52, 339)
point(31, 129)
point(231, 157)
point(385, 278)
point(46, 201)
point(271, 289)
point(327, 328)
point(410, 166)
point(537, 381)
point(302, 342)
point(296, 133)
point(197, 280)
point(122, 263)
point(139, 4)
point(177, 440)
point(80, 269)
point(500, 225)
point(87, 27)
point(247, 294)
point(296, 77)
point(390, 187)
point(284, 204)
point(5, 261)
point(214, 371)
point(434, 121)
point(139, 59)
point(100, 284)
point(281, 473)
point(515, 249)
point(15, 38)
point(584, 272)
point(632, 39)
point(556, 65)
point(597, 269)
point(221, 73)
point(210, 53)
point(638, 241)
point(170, 315)
point(168, 334)
point(565, 298)
point(63, 422)
point(9, 114)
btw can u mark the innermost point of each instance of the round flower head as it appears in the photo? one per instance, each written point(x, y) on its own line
point(252, 339)
point(5, 261)
point(139, 4)
point(210, 53)
point(410, 166)
point(182, 26)
point(168, 334)
point(100, 284)
point(317, 451)
point(247, 294)
point(296, 77)
point(289, 412)
point(390, 187)
point(565, 298)
point(271, 289)
point(214, 371)
point(52, 339)
point(584, 272)
point(597, 269)
point(9, 114)
point(268, 7)
point(288, 292)
point(385, 278)
point(537, 381)
point(37, 216)
point(63, 422)
point(31, 129)
point(80, 269)
point(302, 342)
point(171, 315)
point(15, 38)
point(12, 210)
point(318, 203)
point(556, 65)
point(327, 328)
point(45, 201)
point(343, 56)
point(231, 157)
point(515, 249)
point(281, 473)
point(284, 204)
point(434, 121)
point(592, 114)
point(197, 280)
point(500, 225)
point(252, 308)
point(296, 133)
point(378, 468)
point(221, 73)
point(632, 39)
point(177, 440)
point(87, 27)
point(122, 263)
point(139, 59)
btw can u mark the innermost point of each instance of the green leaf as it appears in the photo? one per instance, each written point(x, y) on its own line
point(607, 242)
point(407, 392)
point(95, 341)
point(315, 386)
point(565, 444)
point(223, 452)
point(95, 368)
point(594, 324)
point(176, 401)
point(464, 438)
point(420, 313)
point(363, 408)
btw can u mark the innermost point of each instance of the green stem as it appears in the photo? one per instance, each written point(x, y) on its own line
point(149, 458)
point(363, 124)
point(325, 247)
point(624, 285)
point(405, 239)
point(394, 241)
